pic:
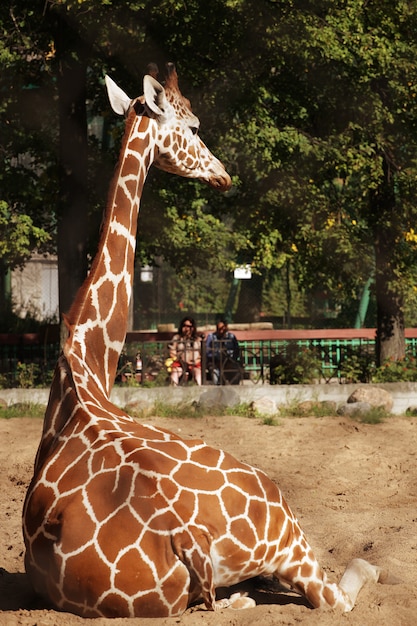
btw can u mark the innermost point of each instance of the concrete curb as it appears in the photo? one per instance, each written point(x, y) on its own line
point(404, 394)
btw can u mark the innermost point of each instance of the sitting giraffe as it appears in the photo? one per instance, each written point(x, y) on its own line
point(124, 519)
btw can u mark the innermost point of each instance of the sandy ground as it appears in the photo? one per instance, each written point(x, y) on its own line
point(352, 485)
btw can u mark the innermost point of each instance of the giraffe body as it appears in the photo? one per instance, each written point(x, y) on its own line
point(121, 518)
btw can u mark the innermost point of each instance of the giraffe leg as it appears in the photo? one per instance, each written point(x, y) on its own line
point(240, 601)
point(192, 547)
point(323, 594)
point(303, 573)
point(356, 575)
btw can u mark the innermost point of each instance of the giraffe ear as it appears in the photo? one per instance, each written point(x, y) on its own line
point(120, 102)
point(155, 97)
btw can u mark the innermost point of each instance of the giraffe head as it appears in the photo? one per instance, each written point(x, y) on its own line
point(179, 149)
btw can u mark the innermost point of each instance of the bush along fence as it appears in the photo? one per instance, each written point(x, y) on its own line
point(266, 356)
point(28, 360)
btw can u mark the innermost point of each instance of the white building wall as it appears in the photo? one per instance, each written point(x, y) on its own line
point(35, 288)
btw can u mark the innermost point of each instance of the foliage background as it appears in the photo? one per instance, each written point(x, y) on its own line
point(310, 104)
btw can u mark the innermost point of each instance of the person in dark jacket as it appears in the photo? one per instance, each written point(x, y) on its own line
point(222, 351)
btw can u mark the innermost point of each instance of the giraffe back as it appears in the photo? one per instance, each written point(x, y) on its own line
point(122, 494)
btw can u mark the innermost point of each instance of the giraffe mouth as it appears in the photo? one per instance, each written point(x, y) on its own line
point(221, 182)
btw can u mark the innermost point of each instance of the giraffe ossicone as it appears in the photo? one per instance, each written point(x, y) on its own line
point(122, 518)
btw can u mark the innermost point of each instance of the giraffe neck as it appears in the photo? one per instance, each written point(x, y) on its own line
point(97, 320)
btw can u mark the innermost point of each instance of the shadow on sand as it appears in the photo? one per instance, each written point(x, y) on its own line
point(16, 592)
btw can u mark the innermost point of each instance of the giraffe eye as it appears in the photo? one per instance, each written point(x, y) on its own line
point(194, 130)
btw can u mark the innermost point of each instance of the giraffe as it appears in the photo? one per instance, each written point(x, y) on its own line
point(123, 518)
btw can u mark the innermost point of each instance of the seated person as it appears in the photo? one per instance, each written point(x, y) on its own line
point(185, 352)
point(222, 350)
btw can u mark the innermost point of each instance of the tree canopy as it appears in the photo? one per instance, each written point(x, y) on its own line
point(311, 104)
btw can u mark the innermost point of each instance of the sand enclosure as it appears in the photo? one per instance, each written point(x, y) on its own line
point(353, 487)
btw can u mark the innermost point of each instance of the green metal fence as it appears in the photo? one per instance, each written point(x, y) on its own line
point(257, 356)
point(27, 357)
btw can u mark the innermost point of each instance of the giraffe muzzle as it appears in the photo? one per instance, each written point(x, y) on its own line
point(220, 182)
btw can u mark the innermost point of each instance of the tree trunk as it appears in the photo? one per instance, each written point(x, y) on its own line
point(250, 300)
point(288, 294)
point(73, 198)
point(5, 294)
point(390, 339)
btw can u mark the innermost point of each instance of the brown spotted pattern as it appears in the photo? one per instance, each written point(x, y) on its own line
point(123, 519)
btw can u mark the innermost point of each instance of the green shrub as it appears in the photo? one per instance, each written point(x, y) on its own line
point(357, 367)
point(5, 381)
point(375, 415)
point(244, 409)
point(404, 370)
point(27, 375)
point(30, 375)
point(295, 367)
point(314, 408)
point(22, 409)
point(270, 420)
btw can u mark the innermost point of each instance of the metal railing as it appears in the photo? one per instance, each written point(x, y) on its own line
point(257, 356)
point(149, 361)
point(29, 356)
point(260, 356)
